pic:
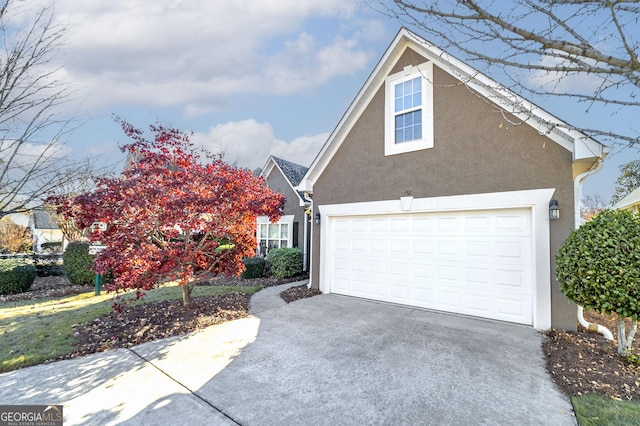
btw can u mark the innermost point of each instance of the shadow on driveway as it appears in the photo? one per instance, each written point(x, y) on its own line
point(324, 360)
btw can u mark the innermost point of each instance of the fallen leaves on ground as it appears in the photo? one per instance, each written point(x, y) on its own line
point(585, 362)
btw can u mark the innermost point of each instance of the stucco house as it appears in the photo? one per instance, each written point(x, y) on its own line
point(436, 188)
point(292, 230)
point(44, 229)
point(630, 202)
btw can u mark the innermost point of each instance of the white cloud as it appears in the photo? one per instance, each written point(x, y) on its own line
point(249, 143)
point(30, 153)
point(200, 54)
point(560, 81)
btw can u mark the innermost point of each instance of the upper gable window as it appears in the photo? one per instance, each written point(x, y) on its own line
point(409, 110)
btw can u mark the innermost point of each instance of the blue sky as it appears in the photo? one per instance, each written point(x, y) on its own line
point(251, 78)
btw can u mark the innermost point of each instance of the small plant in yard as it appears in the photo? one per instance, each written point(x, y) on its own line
point(15, 277)
point(254, 267)
point(77, 263)
point(285, 262)
point(598, 267)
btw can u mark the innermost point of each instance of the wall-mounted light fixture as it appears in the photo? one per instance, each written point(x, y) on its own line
point(554, 210)
point(316, 218)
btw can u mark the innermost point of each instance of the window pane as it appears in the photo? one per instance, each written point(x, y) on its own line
point(398, 91)
point(408, 126)
point(274, 231)
point(274, 244)
point(399, 136)
point(408, 120)
point(417, 99)
point(398, 105)
point(284, 231)
point(263, 230)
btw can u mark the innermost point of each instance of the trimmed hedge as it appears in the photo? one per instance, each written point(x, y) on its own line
point(15, 277)
point(285, 262)
point(254, 267)
point(77, 262)
point(52, 246)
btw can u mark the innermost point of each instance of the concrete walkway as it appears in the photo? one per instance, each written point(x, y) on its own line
point(324, 360)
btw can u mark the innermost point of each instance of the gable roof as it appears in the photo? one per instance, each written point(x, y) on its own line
point(587, 152)
point(43, 220)
point(629, 200)
point(292, 172)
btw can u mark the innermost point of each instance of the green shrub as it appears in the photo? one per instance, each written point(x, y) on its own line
point(47, 266)
point(77, 263)
point(15, 277)
point(285, 262)
point(51, 246)
point(598, 267)
point(254, 267)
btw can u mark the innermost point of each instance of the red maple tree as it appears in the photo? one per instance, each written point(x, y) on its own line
point(176, 214)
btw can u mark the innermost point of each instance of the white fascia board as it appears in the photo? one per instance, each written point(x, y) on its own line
point(632, 198)
point(546, 124)
point(362, 99)
point(266, 169)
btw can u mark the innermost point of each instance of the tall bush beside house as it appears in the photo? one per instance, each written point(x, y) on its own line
point(15, 277)
point(285, 262)
point(77, 261)
point(598, 267)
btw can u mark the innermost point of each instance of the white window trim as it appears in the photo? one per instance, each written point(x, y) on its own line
point(409, 72)
point(288, 219)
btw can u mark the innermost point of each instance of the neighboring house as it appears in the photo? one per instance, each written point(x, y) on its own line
point(292, 230)
point(44, 229)
point(631, 202)
point(434, 190)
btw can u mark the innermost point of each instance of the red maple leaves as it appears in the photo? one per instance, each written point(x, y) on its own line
point(175, 214)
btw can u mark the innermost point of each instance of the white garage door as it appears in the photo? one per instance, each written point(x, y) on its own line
point(474, 263)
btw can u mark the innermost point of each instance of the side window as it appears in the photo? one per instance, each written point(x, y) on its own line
point(409, 110)
point(273, 235)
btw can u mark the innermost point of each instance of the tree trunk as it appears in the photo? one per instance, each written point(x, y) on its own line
point(186, 294)
point(625, 340)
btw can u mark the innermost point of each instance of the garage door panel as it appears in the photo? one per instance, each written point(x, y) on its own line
point(474, 263)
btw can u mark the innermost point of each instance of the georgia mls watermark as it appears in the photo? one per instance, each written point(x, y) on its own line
point(30, 415)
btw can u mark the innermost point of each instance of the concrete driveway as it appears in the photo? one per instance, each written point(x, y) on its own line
point(325, 360)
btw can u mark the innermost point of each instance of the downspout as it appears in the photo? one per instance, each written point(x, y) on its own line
point(305, 196)
point(577, 191)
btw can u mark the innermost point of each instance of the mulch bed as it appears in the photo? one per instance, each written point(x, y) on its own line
point(140, 323)
point(137, 324)
point(585, 362)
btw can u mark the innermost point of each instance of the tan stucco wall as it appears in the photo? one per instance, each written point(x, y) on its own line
point(278, 182)
point(475, 151)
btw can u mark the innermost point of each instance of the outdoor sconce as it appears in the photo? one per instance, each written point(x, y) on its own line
point(554, 210)
point(316, 218)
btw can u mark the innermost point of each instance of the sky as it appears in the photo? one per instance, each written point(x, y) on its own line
point(249, 78)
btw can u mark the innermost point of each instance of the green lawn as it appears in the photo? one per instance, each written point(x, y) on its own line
point(592, 410)
point(32, 332)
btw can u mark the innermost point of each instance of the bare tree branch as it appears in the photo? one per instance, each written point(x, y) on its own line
point(32, 153)
point(543, 46)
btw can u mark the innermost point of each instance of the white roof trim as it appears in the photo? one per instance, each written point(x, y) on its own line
point(630, 199)
point(581, 146)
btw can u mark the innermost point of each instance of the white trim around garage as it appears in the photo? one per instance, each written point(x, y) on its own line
point(537, 201)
